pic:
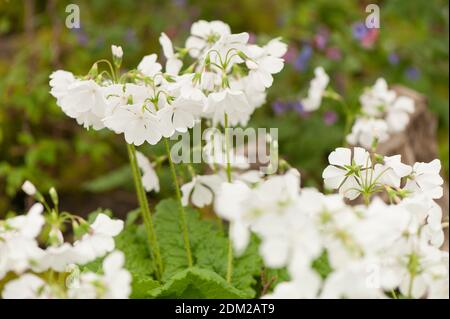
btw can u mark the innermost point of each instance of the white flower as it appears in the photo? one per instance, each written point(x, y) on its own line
point(397, 116)
point(229, 205)
point(366, 131)
point(137, 124)
point(226, 49)
point(29, 188)
point(346, 172)
point(119, 95)
point(179, 116)
point(418, 267)
point(288, 238)
point(392, 171)
point(230, 102)
point(27, 286)
point(245, 207)
point(322, 208)
point(276, 48)
point(117, 279)
point(210, 80)
point(99, 240)
point(56, 258)
point(115, 283)
point(264, 62)
point(316, 90)
point(379, 226)
point(204, 34)
point(255, 96)
point(383, 113)
point(433, 231)
point(60, 81)
point(148, 65)
point(84, 101)
point(376, 100)
point(173, 64)
point(117, 51)
point(187, 87)
point(425, 179)
point(351, 282)
point(149, 178)
point(18, 247)
point(201, 190)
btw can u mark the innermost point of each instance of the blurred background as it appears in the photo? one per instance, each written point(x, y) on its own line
point(89, 169)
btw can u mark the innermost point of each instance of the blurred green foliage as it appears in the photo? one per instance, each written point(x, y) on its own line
point(38, 142)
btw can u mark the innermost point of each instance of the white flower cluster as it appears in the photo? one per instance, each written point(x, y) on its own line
point(374, 251)
point(226, 76)
point(356, 173)
point(316, 90)
point(383, 113)
point(31, 267)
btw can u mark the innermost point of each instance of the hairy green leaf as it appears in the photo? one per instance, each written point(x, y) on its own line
point(209, 247)
point(197, 283)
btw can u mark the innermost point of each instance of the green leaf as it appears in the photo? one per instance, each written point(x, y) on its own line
point(209, 247)
point(273, 277)
point(169, 236)
point(322, 265)
point(109, 181)
point(142, 286)
point(132, 242)
point(197, 283)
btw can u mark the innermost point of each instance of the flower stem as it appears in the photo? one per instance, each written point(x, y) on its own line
point(229, 261)
point(145, 211)
point(183, 218)
point(230, 247)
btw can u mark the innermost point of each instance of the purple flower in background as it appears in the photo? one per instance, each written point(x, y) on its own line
point(412, 73)
point(334, 53)
point(290, 55)
point(298, 107)
point(179, 3)
point(359, 30)
point(82, 37)
point(303, 58)
point(393, 58)
point(320, 41)
point(130, 36)
point(370, 38)
point(321, 38)
point(329, 118)
point(280, 107)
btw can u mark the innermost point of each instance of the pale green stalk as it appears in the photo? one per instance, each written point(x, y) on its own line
point(145, 211)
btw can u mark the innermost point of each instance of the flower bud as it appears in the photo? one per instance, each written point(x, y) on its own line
point(117, 51)
point(29, 188)
point(117, 54)
point(54, 196)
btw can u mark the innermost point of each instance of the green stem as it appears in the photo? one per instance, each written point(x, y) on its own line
point(183, 218)
point(229, 261)
point(145, 211)
point(230, 247)
point(366, 199)
point(411, 285)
